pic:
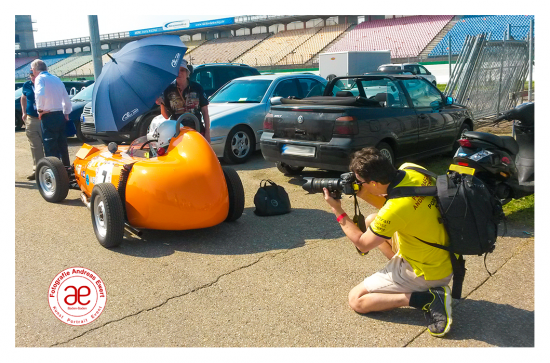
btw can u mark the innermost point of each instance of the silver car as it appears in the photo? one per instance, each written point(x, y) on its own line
point(237, 110)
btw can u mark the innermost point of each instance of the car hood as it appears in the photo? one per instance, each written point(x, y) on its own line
point(221, 109)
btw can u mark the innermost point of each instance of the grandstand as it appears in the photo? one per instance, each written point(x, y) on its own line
point(50, 60)
point(404, 37)
point(276, 47)
point(223, 50)
point(88, 68)
point(495, 25)
point(265, 46)
point(310, 48)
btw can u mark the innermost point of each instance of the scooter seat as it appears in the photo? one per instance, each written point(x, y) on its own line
point(504, 142)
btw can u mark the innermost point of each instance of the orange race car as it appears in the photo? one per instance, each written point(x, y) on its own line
point(170, 179)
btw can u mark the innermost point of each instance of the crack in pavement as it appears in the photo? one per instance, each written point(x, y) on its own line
point(174, 297)
point(456, 303)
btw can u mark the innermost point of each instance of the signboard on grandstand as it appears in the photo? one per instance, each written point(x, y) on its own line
point(182, 24)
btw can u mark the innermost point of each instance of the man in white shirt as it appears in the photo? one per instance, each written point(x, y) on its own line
point(54, 106)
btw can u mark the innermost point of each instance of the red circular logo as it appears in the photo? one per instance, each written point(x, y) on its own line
point(77, 296)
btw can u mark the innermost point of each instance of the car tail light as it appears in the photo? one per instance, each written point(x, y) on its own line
point(268, 122)
point(461, 163)
point(465, 143)
point(346, 125)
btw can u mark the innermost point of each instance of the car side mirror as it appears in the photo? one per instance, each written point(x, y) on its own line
point(275, 100)
point(449, 101)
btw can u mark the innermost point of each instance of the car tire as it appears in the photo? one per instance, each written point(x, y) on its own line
point(104, 142)
point(52, 179)
point(387, 151)
point(288, 169)
point(107, 215)
point(236, 194)
point(465, 127)
point(239, 146)
point(79, 134)
point(18, 121)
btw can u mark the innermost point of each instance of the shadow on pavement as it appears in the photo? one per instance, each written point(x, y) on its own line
point(255, 162)
point(244, 236)
point(500, 325)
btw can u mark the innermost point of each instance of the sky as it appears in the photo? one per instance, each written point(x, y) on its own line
point(48, 28)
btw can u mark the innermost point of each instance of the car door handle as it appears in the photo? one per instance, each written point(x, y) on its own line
point(423, 115)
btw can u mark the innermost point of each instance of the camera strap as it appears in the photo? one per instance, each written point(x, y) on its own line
point(359, 221)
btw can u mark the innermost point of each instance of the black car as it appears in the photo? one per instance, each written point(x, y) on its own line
point(406, 117)
point(210, 76)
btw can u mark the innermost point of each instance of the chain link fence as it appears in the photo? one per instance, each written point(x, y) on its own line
point(489, 76)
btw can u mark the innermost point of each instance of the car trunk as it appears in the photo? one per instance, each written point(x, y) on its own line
point(308, 123)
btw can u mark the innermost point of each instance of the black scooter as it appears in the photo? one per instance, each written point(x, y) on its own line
point(506, 164)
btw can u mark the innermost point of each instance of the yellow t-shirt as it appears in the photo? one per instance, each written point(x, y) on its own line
point(413, 217)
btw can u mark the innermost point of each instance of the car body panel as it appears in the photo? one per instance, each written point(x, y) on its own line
point(183, 189)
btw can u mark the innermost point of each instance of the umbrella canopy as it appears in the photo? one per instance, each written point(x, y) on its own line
point(136, 76)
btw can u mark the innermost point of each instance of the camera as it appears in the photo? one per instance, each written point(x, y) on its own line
point(336, 186)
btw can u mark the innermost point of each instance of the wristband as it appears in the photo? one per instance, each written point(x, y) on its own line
point(341, 216)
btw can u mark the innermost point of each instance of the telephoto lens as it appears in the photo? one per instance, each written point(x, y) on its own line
point(335, 186)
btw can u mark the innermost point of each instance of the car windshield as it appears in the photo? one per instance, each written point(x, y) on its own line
point(143, 148)
point(18, 92)
point(242, 91)
point(85, 94)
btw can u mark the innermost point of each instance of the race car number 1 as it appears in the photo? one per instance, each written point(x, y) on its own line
point(103, 173)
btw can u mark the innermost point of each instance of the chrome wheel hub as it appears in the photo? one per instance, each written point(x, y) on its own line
point(240, 144)
point(46, 178)
point(99, 216)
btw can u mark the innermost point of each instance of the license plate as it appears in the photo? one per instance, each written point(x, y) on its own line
point(462, 169)
point(298, 150)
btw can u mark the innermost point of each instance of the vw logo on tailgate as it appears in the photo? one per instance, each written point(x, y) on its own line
point(300, 119)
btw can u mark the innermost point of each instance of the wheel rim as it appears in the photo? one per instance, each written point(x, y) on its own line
point(99, 216)
point(240, 144)
point(47, 181)
point(387, 154)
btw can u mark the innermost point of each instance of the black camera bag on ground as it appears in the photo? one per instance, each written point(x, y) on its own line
point(470, 213)
point(271, 200)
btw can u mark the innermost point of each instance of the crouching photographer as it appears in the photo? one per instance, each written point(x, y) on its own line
point(417, 274)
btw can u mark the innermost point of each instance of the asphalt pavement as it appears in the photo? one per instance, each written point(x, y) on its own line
point(279, 281)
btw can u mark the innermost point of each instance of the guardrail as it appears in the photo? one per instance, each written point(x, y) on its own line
point(81, 40)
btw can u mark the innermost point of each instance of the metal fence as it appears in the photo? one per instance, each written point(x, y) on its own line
point(489, 75)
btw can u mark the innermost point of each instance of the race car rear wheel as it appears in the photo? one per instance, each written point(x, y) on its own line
point(52, 179)
point(107, 215)
point(236, 194)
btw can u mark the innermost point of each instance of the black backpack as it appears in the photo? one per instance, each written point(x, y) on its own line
point(469, 211)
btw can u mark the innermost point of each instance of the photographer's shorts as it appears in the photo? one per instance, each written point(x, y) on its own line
point(398, 277)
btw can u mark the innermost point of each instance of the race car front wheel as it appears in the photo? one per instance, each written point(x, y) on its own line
point(236, 194)
point(52, 179)
point(107, 215)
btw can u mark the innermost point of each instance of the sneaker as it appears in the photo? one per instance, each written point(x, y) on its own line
point(31, 176)
point(439, 311)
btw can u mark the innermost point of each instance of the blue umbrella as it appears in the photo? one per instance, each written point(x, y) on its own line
point(135, 77)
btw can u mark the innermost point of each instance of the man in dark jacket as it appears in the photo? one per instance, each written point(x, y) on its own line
point(184, 96)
